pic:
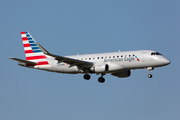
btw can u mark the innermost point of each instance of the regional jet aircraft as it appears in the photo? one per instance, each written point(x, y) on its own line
point(117, 64)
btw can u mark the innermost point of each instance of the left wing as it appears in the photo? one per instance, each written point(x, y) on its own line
point(73, 62)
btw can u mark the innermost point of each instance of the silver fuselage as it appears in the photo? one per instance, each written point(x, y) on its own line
point(117, 61)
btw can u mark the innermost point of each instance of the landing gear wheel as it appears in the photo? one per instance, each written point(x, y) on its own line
point(101, 79)
point(87, 77)
point(150, 76)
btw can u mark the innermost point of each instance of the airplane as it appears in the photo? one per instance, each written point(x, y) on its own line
point(118, 64)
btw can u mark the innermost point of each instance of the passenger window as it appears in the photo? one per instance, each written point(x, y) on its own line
point(93, 58)
point(113, 56)
point(89, 58)
point(109, 56)
point(129, 55)
point(81, 58)
point(121, 55)
point(97, 57)
point(101, 57)
point(106, 57)
point(85, 58)
point(117, 56)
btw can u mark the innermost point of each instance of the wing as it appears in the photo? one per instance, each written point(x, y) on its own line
point(73, 62)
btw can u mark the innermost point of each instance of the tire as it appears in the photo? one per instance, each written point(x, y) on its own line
point(87, 77)
point(101, 80)
point(149, 76)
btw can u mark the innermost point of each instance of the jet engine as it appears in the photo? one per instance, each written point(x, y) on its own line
point(122, 74)
point(100, 68)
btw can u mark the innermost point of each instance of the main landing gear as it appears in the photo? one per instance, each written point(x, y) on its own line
point(87, 77)
point(149, 71)
point(100, 79)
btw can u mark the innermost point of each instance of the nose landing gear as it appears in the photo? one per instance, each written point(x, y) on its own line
point(149, 71)
point(149, 76)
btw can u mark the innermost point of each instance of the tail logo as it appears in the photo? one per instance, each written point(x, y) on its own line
point(32, 51)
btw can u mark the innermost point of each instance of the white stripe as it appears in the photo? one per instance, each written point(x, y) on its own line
point(23, 35)
point(27, 48)
point(34, 54)
point(38, 60)
point(25, 42)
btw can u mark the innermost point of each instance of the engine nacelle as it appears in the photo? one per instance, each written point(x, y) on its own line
point(122, 74)
point(100, 68)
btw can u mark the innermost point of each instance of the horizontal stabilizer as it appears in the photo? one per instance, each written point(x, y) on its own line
point(23, 61)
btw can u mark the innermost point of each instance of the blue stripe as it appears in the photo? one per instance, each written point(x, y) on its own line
point(28, 35)
point(35, 48)
point(31, 42)
point(34, 45)
point(35, 51)
point(29, 38)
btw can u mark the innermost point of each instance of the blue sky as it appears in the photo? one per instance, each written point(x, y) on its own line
point(71, 27)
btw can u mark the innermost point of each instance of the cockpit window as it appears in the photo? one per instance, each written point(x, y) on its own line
point(155, 53)
point(158, 53)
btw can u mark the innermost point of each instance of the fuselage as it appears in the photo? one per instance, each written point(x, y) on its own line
point(117, 61)
point(118, 64)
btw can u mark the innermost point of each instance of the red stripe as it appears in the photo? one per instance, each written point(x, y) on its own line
point(35, 57)
point(27, 45)
point(43, 63)
point(23, 33)
point(24, 38)
point(39, 63)
point(28, 51)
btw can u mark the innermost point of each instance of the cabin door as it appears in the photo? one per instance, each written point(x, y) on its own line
point(143, 56)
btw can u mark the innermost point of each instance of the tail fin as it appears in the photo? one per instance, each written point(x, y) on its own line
point(32, 51)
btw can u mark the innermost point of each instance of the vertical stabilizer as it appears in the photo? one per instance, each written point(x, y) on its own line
point(32, 52)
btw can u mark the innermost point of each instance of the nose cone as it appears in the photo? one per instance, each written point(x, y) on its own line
point(166, 61)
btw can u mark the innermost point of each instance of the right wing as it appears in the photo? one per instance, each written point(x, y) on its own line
point(73, 62)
